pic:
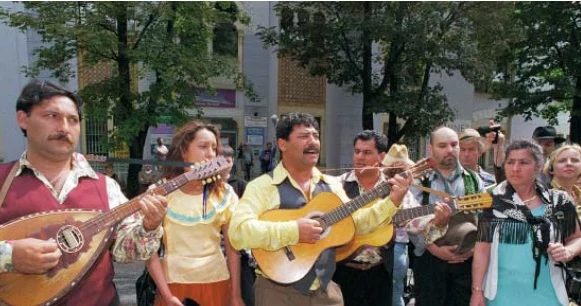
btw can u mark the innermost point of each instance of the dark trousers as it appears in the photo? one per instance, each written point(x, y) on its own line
point(438, 283)
point(373, 287)
point(247, 279)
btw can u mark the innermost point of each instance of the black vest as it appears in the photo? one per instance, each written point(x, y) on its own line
point(352, 190)
point(324, 267)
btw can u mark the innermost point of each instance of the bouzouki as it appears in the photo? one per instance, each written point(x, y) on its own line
point(81, 235)
point(384, 233)
point(290, 264)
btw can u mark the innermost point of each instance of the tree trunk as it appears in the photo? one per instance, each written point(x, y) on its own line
point(367, 115)
point(135, 151)
point(123, 109)
point(392, 135)
point(575, 125)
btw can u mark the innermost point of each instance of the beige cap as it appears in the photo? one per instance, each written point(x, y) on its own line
point(471, 135)
point(396, 153)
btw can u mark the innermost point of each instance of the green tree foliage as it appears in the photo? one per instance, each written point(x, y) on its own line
point(165, 42)
point(384, 50)
point(540, 68)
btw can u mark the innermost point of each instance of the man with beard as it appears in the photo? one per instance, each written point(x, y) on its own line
point(442, 275)
point(291, 185)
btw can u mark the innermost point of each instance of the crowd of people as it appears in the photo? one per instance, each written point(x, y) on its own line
point(514, 252)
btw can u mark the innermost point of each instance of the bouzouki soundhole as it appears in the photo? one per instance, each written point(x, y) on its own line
point(70, 239)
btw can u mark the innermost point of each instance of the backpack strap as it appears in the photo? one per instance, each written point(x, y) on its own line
point(425, 195)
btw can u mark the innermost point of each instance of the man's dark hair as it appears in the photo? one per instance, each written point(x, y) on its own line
point(380, 139)
point(35, 92)
point(287, 123)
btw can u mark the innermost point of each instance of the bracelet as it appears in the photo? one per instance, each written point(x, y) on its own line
point(477, 289)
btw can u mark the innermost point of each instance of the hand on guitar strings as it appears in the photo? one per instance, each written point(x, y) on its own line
point(309, 230)
point(154, 208)
point(399, 188)
point(34, 256)
point(442, 213)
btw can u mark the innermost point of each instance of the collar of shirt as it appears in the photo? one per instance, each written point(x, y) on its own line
point(280, 174)
point(80, 168)
point(352, 177)
point(457, 172)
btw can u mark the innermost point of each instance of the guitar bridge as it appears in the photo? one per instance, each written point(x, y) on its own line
point(289, 253)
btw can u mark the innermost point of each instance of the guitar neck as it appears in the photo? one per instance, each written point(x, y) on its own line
point(380, 191)
point(409, 214)
point(125, 210)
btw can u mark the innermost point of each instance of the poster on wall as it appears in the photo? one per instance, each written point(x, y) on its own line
point(255, 136)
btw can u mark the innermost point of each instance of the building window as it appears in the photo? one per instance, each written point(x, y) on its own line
point(225, 41)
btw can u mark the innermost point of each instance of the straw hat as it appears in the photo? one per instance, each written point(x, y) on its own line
point(473, 135)
point(396, 153)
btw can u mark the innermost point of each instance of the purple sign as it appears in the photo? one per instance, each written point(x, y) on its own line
point(224, 98)
point(162, 128)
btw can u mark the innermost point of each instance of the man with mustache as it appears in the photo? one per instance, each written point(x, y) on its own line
point(50, 175)
point(292, 184)
point(366, 277)
point(442, 275)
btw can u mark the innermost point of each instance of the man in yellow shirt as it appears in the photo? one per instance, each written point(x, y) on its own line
point(292, 184)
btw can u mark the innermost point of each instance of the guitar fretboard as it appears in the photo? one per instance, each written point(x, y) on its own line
point(412, 213)
point(380, 191)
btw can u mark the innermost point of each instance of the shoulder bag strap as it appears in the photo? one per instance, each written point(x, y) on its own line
point(8, 182)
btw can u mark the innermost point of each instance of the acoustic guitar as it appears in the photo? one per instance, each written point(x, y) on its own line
point(290, 264)
point(385, 233)
point(81, 235)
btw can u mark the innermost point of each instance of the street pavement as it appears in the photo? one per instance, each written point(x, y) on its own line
point(125, 277)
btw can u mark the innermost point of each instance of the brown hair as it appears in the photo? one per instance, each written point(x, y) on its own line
point(179, 146)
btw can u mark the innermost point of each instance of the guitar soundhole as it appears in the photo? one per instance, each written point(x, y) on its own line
point(70, 239)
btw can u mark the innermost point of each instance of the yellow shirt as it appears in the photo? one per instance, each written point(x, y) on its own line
point(261, 194)
point(192, 243)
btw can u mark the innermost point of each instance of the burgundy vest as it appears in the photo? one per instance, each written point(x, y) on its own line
point(28, 195)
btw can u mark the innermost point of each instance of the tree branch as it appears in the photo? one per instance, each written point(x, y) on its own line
point(391, 59)
point(107, 27)
point(346, 48)
point(141, 34)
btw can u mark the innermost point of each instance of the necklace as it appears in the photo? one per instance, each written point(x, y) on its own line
point(530, 199)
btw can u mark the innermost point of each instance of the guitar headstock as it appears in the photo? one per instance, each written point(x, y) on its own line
point(423, 168)
point(208, 171)
point(474, 201)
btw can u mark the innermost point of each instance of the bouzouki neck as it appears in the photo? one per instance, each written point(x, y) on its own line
point(125, 210)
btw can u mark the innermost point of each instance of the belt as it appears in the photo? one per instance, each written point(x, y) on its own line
point(362, 266)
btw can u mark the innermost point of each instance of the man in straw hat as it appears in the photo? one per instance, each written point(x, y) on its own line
point(442, 275)
point(397, 160)
point(472, 145)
